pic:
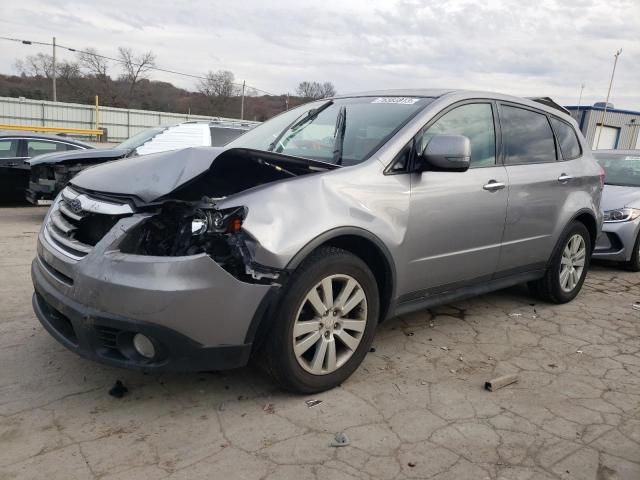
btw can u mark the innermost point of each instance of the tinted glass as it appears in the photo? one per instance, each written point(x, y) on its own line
point(68, 146)
point(8, 148)
point(221, 136)
point(569, 144)
point(620, 169)
point(38, 147)
point(527, 136)
point(474, 121)
point(369, 123)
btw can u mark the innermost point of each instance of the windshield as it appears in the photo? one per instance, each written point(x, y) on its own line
point(620, 169)
point(141, 138)
point(344, 131)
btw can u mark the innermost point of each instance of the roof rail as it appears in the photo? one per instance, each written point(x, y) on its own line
point(548, 101)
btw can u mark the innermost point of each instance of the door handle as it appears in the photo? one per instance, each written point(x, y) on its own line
point(494, 186)
point(564, 178)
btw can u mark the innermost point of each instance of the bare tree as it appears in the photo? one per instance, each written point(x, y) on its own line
point(218, 84)
point(39, 65)
point(315, 90)
point(92, 63)
point(218, 87)
point(135, 67)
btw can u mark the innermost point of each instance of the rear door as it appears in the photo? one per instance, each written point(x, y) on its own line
point(457, 218)
point(539, 185)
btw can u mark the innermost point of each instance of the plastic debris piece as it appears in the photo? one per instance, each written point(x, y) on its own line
point(268, 408)
point(340, 440)
point(496, 383)
point(118, 390)
point(313, 403)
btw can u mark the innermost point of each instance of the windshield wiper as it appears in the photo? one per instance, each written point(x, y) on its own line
point(299, 121)
point(338, 143)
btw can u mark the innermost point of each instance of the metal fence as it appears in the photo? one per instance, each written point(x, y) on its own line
point(120, 123)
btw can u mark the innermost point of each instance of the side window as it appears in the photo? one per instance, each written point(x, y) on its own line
point(527, 136)
point(569, 144)
point(68, 146)
point(474, 121)
point(38, 147)
point(8, 148)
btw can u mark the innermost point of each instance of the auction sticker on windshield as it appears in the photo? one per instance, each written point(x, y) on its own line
point(399, 100)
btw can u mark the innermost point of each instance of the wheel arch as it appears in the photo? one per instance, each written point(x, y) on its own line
point(588, 219)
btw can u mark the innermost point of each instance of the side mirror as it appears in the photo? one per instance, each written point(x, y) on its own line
point(447, 153)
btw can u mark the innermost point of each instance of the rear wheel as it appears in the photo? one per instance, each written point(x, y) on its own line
point(325, 323)
point(568, 268)
point(634, 262)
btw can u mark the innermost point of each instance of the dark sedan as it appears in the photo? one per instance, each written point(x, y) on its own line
point(16, 147)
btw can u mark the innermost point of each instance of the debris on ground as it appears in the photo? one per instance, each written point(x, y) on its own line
point(578, 351)
point(372, 349)
point(552, 365)
point(313, 403)
point(412, 464)
point(268, 408)
point(409, 334)
point(460, 359)
point(445, 348)
point(515, 315)
point(118, 390)
point(636, 306)
point(431, 325)
point(496, 383)
point(340, 440)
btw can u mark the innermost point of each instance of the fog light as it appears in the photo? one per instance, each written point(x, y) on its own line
point(143, 345)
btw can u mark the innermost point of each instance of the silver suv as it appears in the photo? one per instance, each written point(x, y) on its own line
point(292, 242)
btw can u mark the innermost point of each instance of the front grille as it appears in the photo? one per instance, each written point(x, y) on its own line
point(77, 222)
point(108, 336)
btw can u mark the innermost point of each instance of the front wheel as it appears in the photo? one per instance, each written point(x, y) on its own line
point(325, 323)
point(568, 267)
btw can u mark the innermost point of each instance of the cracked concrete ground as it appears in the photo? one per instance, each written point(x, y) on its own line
point(414, 409)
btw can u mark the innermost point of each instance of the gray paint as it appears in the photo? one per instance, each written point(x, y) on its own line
point(84, 156)
point(440, 228)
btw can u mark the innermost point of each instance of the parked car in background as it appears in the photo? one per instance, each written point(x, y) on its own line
point(620, 237)
point(17, 147)
point(293, 241)
point(50, 173)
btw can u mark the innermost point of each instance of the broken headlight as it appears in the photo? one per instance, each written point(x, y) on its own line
point(217, 221)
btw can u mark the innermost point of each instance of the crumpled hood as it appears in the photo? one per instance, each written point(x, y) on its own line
point(99, 154)
point(148, 177)
point(615, 196)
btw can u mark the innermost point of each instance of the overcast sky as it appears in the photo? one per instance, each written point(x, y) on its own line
point(523, 47)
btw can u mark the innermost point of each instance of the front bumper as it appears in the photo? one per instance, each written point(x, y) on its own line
point(198, 316)
point(616, 241)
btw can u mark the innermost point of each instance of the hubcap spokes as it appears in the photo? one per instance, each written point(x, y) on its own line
point(572, 263)
point(329, 324)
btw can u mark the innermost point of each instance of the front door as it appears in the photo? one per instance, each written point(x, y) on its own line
point(457, 219)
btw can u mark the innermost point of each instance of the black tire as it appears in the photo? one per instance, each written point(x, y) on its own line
point(634, 262)
point(548, 287)
point(278, 355)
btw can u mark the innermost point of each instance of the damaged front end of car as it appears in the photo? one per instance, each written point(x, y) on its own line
point(193, 228)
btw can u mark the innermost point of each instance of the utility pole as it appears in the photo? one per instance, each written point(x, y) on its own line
point(53, 74)
point(580, 96)
point(242, 102)
point(606, 103)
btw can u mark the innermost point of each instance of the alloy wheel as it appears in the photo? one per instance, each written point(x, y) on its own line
point(572, 263)
point(329, 325)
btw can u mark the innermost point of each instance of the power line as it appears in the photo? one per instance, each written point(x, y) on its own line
point(95, 54)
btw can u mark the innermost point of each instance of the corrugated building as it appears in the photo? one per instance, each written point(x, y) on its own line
point(620, 128)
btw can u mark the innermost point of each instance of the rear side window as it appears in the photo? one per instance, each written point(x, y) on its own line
point(527, 136)
point(569, 144)
point(222, 136)
point(8, 148)
point(68, 146)
point(38, 147)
